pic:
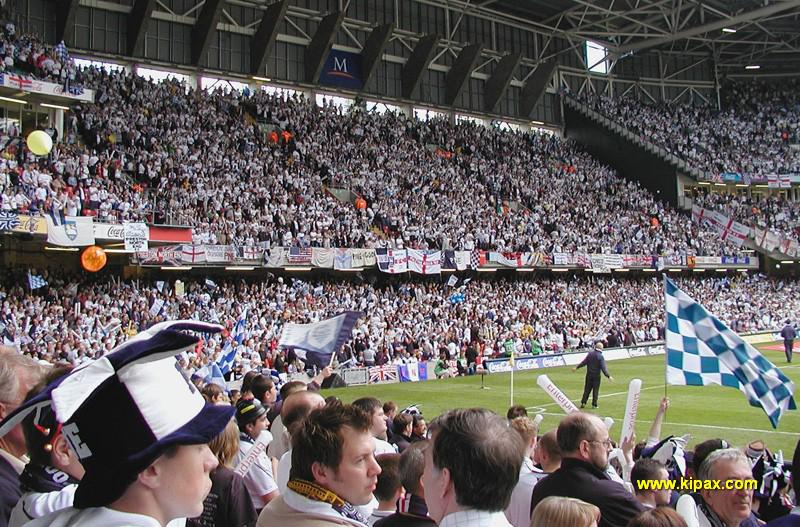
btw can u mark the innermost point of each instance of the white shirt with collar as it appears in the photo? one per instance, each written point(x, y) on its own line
point(18, 464)
point(518, 511)
point(474, 518)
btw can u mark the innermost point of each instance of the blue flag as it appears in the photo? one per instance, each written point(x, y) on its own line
point(239, 328)
point(225, 362)
point(702, 350)
point(215, 376)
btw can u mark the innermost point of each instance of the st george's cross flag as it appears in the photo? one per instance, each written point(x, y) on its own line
point(702, 350)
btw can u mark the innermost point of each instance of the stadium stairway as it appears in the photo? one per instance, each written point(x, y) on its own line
point(632, 158)
point(679, 164)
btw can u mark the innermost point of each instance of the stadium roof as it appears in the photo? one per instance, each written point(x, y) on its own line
point(738, 32)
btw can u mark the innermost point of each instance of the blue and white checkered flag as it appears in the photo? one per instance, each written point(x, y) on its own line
point(701, 350)
point(61, 51)
point(35, 281)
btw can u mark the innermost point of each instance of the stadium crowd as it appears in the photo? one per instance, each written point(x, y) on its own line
point(776, 213)
point(253, 168)
point(250, 169)
point(77, 318)
point(751, 135)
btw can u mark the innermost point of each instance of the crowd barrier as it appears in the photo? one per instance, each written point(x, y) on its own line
point(430, 262)
point(423, 371)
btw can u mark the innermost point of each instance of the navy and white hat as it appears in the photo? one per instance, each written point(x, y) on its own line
point(671, 453)
point(122, 411)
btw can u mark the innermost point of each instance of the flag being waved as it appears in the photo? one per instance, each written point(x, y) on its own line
point(316, 343)
point(702, 350)
point(35, 281)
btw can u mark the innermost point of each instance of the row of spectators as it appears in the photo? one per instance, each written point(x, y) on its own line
point(214, 161)
point(751, 135)
point(70, 320)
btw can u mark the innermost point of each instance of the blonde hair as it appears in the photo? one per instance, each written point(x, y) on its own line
point(558, 511)
point(226, 445)
point(525, 427)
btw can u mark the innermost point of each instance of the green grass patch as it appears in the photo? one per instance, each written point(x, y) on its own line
point(703, 412)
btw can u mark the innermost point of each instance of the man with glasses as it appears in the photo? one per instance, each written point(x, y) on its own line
point(584, 444)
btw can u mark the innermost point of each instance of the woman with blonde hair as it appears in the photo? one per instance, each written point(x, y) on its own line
point(658, 517)
point(558, 511)
point(229, 502)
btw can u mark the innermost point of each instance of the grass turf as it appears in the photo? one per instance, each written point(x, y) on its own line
point(704, 412)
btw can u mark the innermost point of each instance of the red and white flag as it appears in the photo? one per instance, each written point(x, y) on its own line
point(193, 254)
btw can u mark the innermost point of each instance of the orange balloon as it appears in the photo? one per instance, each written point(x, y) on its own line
point(93, 258)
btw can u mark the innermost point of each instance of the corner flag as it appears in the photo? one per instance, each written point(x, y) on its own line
point(701, 350)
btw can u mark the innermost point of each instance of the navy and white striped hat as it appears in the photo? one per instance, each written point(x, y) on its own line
point(122, 411)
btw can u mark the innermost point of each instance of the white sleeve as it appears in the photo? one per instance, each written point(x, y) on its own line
point(34, 505)
point(687, 509)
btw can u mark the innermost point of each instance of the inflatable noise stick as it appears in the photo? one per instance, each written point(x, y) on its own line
point(557, 395)
point(609, 422)
point(631, 409)
point(538, 419)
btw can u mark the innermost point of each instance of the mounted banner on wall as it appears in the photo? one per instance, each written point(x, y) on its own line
point(342, 69)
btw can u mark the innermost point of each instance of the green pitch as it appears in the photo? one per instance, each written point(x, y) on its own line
point(704, 412)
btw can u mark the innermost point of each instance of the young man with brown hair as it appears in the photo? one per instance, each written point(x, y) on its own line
point(333, 471)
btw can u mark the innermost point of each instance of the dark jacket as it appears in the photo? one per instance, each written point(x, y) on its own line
point(9, 491)
point(790, 520)
point(228, 503)
point(402, 442)
point(595, 363)
point(399, 519)
point(582, 480)
point(414, 514)
point(788, 332)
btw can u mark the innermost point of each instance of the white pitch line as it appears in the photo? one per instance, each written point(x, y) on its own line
point(704, 426)
point(601, 396)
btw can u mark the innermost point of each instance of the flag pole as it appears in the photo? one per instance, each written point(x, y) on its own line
point(511, 360)
point(666, 353)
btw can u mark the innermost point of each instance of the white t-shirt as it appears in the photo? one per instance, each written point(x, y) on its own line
point(259, 480)
point(384, 447)
point(94, 517)
point(33, 505)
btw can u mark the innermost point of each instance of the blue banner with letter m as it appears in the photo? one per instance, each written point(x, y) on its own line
point(342, 69)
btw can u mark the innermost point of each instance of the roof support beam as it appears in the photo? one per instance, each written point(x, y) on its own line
point(534, 89)
point(65, 19)
point(204, 28)
point(317, 51)
point(137, 26)
point(712, 26)
point(264, 39)
point(417, 63)
point(373, 50)
point(499, 82)
point(460, 72)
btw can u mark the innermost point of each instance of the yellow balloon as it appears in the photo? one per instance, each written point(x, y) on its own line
point(40, 143)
